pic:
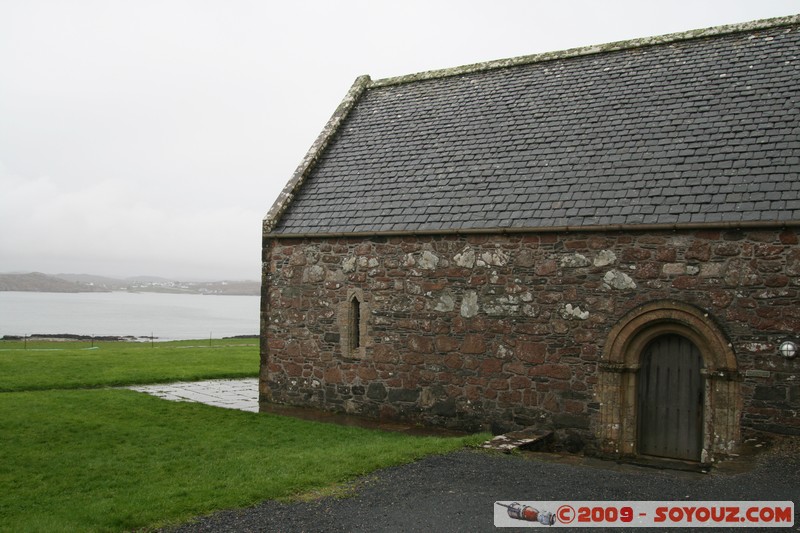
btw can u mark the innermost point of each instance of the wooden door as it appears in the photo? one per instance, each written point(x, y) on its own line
point(670, 398)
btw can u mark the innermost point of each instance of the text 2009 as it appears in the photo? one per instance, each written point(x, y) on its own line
point(604, 514)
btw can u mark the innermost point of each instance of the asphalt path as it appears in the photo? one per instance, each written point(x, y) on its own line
point(457, 493)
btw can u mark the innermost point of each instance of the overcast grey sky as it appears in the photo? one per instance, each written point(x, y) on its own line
point(151, 137)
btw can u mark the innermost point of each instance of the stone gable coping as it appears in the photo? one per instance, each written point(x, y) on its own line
point(319, 145)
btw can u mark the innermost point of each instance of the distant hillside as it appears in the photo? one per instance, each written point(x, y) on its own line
point(89, 279)
point(38, 282)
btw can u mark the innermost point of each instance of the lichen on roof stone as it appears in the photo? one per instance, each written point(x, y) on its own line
point(699, 128)
point(591, 49)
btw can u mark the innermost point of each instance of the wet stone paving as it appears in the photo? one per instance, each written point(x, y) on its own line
point(239, 394)
point(242, 394)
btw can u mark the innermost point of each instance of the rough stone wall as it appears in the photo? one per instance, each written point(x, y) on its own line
point(504, 331)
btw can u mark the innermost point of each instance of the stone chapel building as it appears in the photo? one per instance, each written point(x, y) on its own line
point(602, 242)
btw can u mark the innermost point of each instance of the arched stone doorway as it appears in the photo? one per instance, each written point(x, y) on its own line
point(619, 388)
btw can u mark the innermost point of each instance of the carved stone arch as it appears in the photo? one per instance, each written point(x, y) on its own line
point(640, 326)
point(620, 364)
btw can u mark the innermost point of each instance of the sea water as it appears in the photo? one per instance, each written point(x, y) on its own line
point(164, 316)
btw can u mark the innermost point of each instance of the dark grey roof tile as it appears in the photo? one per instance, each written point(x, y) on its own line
point(636, 136)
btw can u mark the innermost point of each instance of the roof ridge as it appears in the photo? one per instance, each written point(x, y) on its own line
point(590, 50)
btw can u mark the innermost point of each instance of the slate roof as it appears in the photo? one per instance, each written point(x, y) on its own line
point(696, 129)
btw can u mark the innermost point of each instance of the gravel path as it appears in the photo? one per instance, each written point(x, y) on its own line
point(456, 492)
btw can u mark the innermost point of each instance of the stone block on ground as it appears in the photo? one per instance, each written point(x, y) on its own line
point(529, 439)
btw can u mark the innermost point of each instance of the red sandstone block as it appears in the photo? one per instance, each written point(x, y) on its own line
point(332, 375)
point(532, 352)
point(293, 370)
point(428, 376)
point(552, 371)
point(578, 386)
point(293, 349)
point(491, 366)
point(383, 353)
point(471, 363)
point(550, 403)
point(367, 373)
point(446, 344)
point(574, 406)
point(432, 286)
point(498, 384)
point(410, 381)
point(632, 255)
point(651, 239)
point(596, 242)
point(519, 382)
point(589, 352)
point(453, 361)
point(698, 250)
point(406, 323)
point(433, 360)
point(419, 344)
point(516, 367)
point(473, 344)
point(274, 344)
point(559, 385)
point(480, 381)
point(530, 397)
point(788, 237)
point(648, 270)
point(473, 392)
point(686, 282)
point(532, 328)
point(545, 268)
point(413, 358)
point(727, 249)
point(477, 239)
point(720, 298)
point(579, 244)
point(550, 297)
point(667, 254)
point(509, 398)
point(394, 383)
point(443, 378)
point(583, 335)
point(768, 251)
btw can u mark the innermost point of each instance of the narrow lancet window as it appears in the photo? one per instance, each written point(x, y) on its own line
point(355, 324)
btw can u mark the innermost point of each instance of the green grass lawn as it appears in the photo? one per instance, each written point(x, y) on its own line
point(115, 460)
point(43, 365)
